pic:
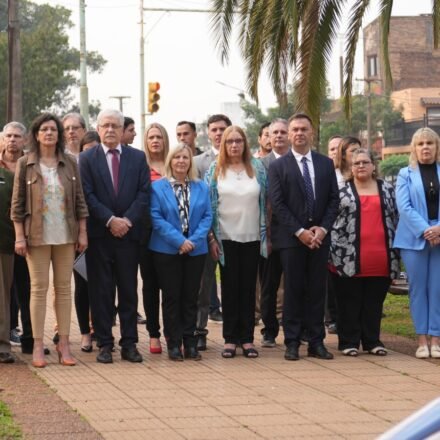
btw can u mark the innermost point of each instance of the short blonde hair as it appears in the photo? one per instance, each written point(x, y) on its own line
point(423, 133)
point(168, 172)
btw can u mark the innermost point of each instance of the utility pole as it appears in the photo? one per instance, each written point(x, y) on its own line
point(142, 74)
point(121, 102)
point(15, 94)
point(368, 81)
point(83, 90)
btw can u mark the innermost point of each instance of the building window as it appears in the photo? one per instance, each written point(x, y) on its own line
point(433, 116)
point(372, 66)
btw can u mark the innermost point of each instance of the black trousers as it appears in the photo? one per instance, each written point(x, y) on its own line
point(305, 278)
point(82, 303)
point(150, 291)
point(270, 271)
point(21, 287)
point(331, 306)
point(238, 283)
point(360, 303)
point(179, 278)
point(111, 260)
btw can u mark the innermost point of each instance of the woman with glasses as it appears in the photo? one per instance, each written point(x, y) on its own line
point(362, 255)
point(418, 237)
point(49, 214)
point(238, 186)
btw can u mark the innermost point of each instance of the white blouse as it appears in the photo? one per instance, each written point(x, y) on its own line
point(238, 207)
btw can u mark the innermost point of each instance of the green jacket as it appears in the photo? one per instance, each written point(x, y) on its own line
point(7, 234)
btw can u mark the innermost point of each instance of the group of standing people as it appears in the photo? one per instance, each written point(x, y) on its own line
point(326, 224)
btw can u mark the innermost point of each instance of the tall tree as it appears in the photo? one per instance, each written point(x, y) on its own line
point(294, 39)
point(49, 64)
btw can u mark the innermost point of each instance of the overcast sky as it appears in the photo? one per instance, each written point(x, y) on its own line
point(179, 53)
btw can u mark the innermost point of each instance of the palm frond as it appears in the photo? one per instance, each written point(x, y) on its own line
point(385, 18)
point(355, 24)
point(222, 20)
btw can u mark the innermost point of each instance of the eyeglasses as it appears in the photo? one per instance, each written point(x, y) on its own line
point(112, 126)
point(237, 141)
point(361, 163)
point(72, 128)
point(44, 129)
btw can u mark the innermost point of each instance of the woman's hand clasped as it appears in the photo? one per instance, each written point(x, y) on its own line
point(432, 235)
point(214, 250)
point(186, 247)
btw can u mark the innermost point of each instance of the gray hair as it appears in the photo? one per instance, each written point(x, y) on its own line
point(109, 113)
point(278, 121)
point(428, 134)
point(74, 115)
point(17, 125)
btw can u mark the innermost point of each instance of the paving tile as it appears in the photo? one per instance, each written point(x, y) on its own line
point(271, 420)
point(150, 434)
point(185, 411)
point(206, 422)
point(359, 428)
point(254, 409)
point(205, 433)
point(121, 425)
point(119, 414)
point(291, 431)
point(392, 416)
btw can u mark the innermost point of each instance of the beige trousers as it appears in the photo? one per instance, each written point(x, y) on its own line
point(39, 259)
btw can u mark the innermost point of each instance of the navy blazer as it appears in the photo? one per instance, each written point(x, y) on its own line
point(132, 200)
point(167, 236)
point(288, 198)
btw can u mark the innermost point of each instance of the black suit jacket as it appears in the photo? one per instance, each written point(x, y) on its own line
point(132, 200)
point(288, 198)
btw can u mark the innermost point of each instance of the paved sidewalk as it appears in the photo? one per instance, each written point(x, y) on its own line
point(266, 398)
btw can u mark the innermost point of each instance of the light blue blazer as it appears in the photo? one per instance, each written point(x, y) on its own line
point(413, 211)
point(167, 236)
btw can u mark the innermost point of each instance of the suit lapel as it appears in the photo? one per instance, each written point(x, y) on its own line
point(123, 167)
point(293, 165)
point(194, 194)
point(170, 197)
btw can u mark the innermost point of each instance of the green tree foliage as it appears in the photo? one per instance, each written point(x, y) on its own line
point(383, 117)
point(391, 166)
point(49, 64)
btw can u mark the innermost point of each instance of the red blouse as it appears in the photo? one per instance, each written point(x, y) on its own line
point(373, 251)
point(154, 175)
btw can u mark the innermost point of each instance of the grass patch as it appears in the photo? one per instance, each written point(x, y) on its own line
point(8, 429)
point(398, 319)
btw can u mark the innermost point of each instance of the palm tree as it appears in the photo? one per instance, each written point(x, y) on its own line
point(298, 36)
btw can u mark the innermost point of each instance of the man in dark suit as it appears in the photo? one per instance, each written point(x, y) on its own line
point(304, 195)
point(116, 183)
point(270, 268)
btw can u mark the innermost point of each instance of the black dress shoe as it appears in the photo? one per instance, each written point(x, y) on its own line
point(105, 355)
point(192, 353)
point(175, 354)
point(131, 354)
point(6, 358)
point(319, 352)
point(201, 343)
point(291, 353)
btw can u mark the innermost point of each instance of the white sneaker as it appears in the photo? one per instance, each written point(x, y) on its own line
point(435, 351)
point(423, 352)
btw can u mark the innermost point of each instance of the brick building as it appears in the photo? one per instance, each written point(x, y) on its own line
point(415, 69)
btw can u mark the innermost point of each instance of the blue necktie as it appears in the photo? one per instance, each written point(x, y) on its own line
point(310, 198)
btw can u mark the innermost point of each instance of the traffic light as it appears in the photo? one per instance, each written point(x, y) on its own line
point(153, 97)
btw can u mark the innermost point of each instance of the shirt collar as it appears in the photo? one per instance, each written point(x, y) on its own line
point(299, 156)
point(106, 149)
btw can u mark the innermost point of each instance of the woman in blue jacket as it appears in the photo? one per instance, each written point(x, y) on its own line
point(181, 217)
point(417, 237)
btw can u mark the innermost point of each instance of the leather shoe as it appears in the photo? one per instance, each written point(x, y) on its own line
point(319, 352)
point(201, 343)
point(291, 353)
point(175, 354)
point(6, 358)
point(192, 353)
point(131, 354)
point(105, 355)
